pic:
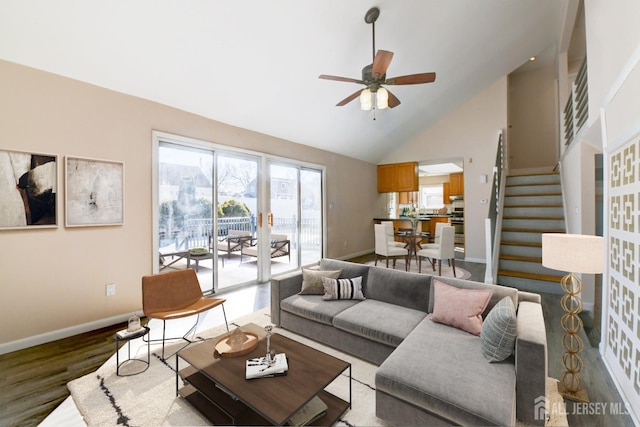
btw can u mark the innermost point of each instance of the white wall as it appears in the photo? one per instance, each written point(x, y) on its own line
point(612, 32)
point(613, 55)
point(532, 129)
point(470, 132)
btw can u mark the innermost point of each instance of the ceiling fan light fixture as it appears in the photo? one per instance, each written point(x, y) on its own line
point(382, 99)
point(365, 99)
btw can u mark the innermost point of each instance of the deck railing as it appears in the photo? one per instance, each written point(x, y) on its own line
point(197, 232)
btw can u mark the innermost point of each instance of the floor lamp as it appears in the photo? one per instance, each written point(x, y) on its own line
point(574, 253)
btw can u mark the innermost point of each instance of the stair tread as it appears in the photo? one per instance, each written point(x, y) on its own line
point(531, 230)
point(526, 184)
point(545, 205)
point(537, 260)
point(533, 276)
point(554, 193)
point(550, 218)
point(529, 244)
point(533, 174)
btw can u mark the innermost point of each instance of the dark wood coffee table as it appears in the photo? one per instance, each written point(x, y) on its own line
point(218, 389)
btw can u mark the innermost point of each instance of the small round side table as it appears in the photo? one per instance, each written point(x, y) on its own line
point(127, 338)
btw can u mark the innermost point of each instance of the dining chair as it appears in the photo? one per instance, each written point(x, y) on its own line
point(438, 231)
point(390, 233)
point(383, 247)
point(445, 250)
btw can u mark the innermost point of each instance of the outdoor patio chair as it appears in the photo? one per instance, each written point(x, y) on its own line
point(234, 241)
point(280, 246)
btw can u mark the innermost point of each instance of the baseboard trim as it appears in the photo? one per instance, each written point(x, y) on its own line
point(23, 343)
point(476, 260)
point(355, 255)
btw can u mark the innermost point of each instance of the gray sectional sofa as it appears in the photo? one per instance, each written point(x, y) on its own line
point(429, 373)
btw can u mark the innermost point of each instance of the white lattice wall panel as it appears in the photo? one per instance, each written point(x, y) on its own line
point(623, 334)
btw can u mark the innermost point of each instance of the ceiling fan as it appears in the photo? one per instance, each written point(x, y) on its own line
point(375, 75)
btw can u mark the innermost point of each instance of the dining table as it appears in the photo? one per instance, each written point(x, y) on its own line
point(412, 240)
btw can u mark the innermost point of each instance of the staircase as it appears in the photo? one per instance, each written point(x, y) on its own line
point(532, 206)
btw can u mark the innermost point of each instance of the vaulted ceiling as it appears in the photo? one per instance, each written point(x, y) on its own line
point(255, 63)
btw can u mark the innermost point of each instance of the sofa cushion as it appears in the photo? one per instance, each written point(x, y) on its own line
point(499, 291)
point(399, 287)
point(499, 330)
point(342, 288)
point(379, 321)
point(312, 280)
point(314, 308)
point(441, 369)
point(461, 308)
point(349, 270)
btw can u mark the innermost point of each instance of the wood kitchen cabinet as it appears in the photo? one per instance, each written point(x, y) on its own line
point(445, 193)
point(398, 177)
point(386, 178)
point(407, 197)
point(456, 184)
point(433, 222)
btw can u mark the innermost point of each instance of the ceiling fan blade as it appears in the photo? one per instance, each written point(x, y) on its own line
point(412, 79)
point(381, 63)
point(393, 100)
point(339, 79)
point(349, 98)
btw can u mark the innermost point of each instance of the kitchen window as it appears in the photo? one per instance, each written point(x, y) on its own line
point(431, 197)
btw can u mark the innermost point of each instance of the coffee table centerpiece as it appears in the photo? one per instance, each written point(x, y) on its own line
point(217, 387)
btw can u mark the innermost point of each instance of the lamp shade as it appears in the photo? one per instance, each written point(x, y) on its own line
point(365, 99)
point(575, 253)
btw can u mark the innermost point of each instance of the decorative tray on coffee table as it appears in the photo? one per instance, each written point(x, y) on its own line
point(236, 343)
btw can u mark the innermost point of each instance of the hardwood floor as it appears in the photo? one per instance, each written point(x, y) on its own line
point(34, 379)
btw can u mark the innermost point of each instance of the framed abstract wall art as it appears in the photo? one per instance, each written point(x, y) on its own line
point(94, 192)
point(28, 189)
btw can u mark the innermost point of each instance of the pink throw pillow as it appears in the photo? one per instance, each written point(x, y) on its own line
point(460, 308)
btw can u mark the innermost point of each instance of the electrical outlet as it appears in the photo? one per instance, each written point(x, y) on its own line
point(110, 289)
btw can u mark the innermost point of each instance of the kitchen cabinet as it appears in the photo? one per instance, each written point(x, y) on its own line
point(386, 178)
point(407, 197)
point(445, 193)
point(433, 222)
point(398, 177)
point(407, 176)
point(456, 184)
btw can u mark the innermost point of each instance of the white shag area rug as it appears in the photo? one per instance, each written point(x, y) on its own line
point(149, 398)
point(447, 271)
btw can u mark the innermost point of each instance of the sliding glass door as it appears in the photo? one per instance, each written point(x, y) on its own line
point(296, 215)
point(234, 216)
point(237, 183)
point(186, 214)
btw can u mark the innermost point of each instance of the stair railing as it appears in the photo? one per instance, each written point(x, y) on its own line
point(576, 110)
point(493, 222)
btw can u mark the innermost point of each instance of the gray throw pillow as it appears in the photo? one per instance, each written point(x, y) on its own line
point(312, 280)
point(499, 331)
